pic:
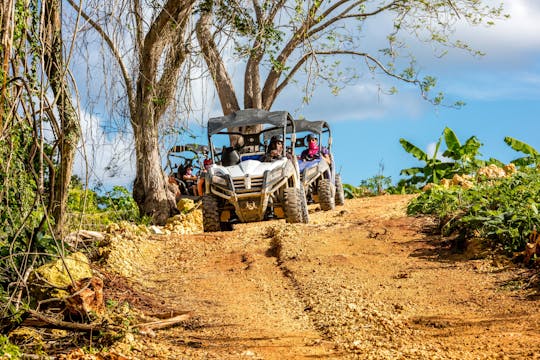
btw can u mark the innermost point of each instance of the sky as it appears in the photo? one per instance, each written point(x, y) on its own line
point(501, 91)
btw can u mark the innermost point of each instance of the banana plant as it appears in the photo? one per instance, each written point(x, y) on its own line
point(466, 155)
point(532, 158)
point(463, 159)
point(433, 171)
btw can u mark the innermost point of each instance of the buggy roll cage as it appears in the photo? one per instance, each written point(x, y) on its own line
point(318, 127)
point(281, 121)
point(196, 149)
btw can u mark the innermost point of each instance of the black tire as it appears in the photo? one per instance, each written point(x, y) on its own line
point(340, 193)
point(226, 226)
point(293, 209)
point(210, 211)
point(326, 194)
point(303, 204)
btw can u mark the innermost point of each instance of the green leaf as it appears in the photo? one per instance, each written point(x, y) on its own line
point(413, 150)
point(520, 146)
point(452, 141)
point(411, 171)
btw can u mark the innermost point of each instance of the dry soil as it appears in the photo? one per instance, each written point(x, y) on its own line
point(363, 281)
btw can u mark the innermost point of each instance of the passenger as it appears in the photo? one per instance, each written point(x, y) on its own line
point(190, 179)
point(312, 152)
point(207, 163)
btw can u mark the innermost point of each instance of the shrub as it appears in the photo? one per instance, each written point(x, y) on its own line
point(504, 211)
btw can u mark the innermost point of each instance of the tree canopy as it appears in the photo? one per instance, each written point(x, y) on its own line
point(278, 39)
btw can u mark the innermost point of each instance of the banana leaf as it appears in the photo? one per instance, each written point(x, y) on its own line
point(411, 171)
point(520, 146)
point(413, 150)
point(452, 144)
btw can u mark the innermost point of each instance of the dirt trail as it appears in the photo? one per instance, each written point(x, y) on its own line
point(359, 282)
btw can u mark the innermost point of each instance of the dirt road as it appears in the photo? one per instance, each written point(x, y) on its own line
point(359, 282)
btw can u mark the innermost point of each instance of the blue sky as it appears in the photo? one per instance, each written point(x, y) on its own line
point(501, 91)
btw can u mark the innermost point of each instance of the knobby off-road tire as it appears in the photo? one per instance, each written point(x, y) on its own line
point(340, 193)
point(210, 213)
point(293, 206)
point(303, 203)
point(326, 194)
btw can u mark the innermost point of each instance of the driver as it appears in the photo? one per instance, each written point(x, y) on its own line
point(275, 149)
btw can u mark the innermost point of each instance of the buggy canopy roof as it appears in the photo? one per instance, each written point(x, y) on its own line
point(316, 127)
point(249, 117)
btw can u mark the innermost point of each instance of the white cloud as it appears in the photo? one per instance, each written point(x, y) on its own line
point(518, 33)
point(354, 103)
point(104, 158)
point(430, 151)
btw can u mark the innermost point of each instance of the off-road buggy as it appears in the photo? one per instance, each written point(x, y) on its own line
point(241, 184)
point(318, 172)
point(179, 159)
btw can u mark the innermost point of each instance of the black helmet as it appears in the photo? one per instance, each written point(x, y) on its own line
point(276, 138)
point(311, 136)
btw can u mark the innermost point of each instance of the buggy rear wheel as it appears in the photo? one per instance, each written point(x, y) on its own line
point(340, 193)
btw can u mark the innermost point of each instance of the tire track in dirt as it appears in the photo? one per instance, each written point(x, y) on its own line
point(359, 282)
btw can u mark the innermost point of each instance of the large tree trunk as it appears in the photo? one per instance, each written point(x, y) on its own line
point(252, 82)
point(162, 53)
point(70, 124)
point(150, 189)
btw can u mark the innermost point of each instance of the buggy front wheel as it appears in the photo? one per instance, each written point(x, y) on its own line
point(210, 210)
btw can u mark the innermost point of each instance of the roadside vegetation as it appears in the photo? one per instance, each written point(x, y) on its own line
point(471, 199)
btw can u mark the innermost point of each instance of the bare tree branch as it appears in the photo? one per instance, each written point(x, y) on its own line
point(116, 54)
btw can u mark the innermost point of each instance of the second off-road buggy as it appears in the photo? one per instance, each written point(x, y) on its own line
point(241, 184)
point(179, 159)
point(318, 172)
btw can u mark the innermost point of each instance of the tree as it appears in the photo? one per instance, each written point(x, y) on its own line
point(149, 45)
point(38, 135)
point(31, 40)
point(283, 37)
point(57, 73)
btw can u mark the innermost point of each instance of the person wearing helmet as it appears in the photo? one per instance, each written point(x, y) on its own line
point(313, 151)
point(275, 149)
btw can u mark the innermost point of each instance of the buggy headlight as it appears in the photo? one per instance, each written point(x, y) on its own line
point(273, 176)
point(219, 180)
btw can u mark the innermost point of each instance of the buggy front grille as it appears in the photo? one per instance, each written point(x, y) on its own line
point(248, 184)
